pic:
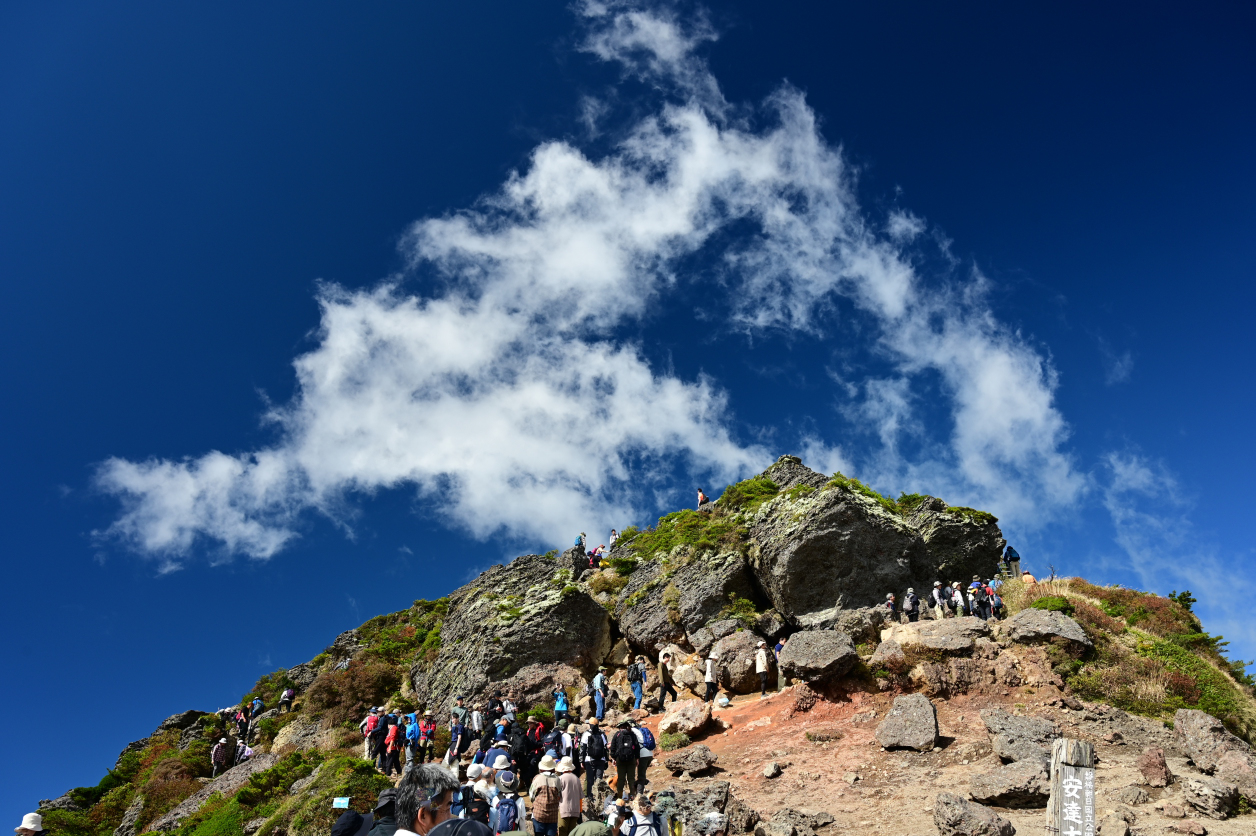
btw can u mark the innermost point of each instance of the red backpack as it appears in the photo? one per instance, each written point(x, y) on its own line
point(371, 723)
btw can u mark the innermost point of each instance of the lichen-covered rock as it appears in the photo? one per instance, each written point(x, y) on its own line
point(814, 655)
point(1020, 738)
point(691, 760)
point(955, 816)
point(770, 624)
point(179, 721)
point(716, 797)
point(685, 717)
point(1022, 784)
point(303, 676)
point(736, 662)
point(131, 818)
point(863, 624)
point(961, 543)
point(1155, 769)
point(510, 617)
point(952, 636)
point(1213, 798)
point(1214, 750)
point(912, 723)
point(1031, 626)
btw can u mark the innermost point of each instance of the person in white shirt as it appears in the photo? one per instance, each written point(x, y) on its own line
point(711, 677)
point(645, 756)
point(644, 821)
point(761, 668)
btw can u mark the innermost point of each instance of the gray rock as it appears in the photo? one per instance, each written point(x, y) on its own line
point(227, 783)
point(1114, 825)
point(863, 624)
point(1019, 738)
point(797, 822)
point(1133, 795)
point(1023, 784)
point(716, 797)
point(253, 825)
point(685, 717)
point(303, 676)
point(912, 723)
point(889, 656)
point(508, 618)
point(301, 785)
point(789, 472)
point(345, 646)
point(704, 638)
point(179, 721)
point(955, 816)
point(1031, 626)
point(691, 760)
point(814, 655)
point(772, 770)
point(959, 544)
point(1214, 750)
point(130, 818)
point(736, 662)
point(1213, 798)
point(770, 624)
point(63, 802)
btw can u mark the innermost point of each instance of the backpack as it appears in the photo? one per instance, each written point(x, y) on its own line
point(981, 595)
point(596, 747)
point(647, 738)
point(474, 806)
point(545, 805)
point(371, 723)
point(518, 744)
point(624, 746)
point(634, 673)
point(656, 823)
point(552, 740)
point(507, 814)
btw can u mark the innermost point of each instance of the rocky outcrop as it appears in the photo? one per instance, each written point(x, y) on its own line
point(704, 638)
point(659, 605)
point(736, 661)
point(815, 655)
point(227, 784)
point(955, 816)
point(1022, 784)
point(1211, 797)
point(888, 656)
point(952, 636)
point(1031, 626)
point(1214, 750)
point(510, 617)
point(960, 543)
point(130, 818)
point(303, 676)
point(179, 721)
point(716, 797)
point(686, 717)
point(863, 625)
point(912, 723)
point(691, 760)
point(1017, 738)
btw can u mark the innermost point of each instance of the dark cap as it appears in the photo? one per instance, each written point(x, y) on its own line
point(388, 796)
point(352, 823)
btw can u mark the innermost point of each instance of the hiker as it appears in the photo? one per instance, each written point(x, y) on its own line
point(258, 707)
point(464, 716)
point(979, 598)
point(367, 726)
point(939, 599)
point(996, 605)
point(427, 738)
point(702, 498)
point(566, 744)
point(477, 720)
point(625, 748)
point(636, 680)
point(1011, 562)
point(385, 813)
point(535, 748)
point(546, 795)
point(594, 752)
point(424, 798)
point(711, 678)
point(456, 732)
point(352, 823)
point(494, 709)
point(600, 689)
point(761, 667)
point(611, 540)
point(957, 601)
point(474, 803)
point(218, 757)
point(243, 753)
point(892, 605)
point(285, 700)
point(394, 738)
point(911, 605)
point(32, 825)
point(508, 808)
point(645, 755)
point(780, 674)
point(569, 800)
point(509, 709)
point(580, 542)
point(379, 749)
point(560, 704)
point(242, 724)
point(644, 821)
point(666, 684)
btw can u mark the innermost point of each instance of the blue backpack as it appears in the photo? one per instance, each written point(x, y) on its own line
point(507, 814)
point(647, 739)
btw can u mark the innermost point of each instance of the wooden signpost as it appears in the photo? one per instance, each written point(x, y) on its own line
point(1071, 811)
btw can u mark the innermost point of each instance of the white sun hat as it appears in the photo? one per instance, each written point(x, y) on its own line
point(31, 821)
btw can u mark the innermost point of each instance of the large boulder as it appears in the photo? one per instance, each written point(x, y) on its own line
point(717, 797)
point(1022, 784)
point(955, 816)
point(1211, 797)
point(736, 661)
point(1204, 739)
point(659, 606)
point(863, 624)
point(1031, 626)
point(961, 542)
point(888, 656)
point(912, 723)
point(686, 717)
point(951, 636)
point(1016, 738)
point(691, 760)
point(303, 675)
point(1154, 767)
point(704, 638)
point(814, 655)
point(510, 617)
point(180, 721)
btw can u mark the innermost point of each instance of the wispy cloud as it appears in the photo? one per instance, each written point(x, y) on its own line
point(509, 399)
point(1117, 368)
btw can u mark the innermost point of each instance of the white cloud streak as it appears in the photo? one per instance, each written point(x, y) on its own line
point(508, 398)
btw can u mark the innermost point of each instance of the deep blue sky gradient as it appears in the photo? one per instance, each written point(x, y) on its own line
point(174, 181)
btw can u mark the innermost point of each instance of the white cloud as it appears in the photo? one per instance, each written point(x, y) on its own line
point(1117, 368)
point(507, 398)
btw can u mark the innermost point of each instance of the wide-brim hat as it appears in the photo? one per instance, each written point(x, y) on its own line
point(31, 821)
point(222, 740)
point(507, 781)
point(625, 724)
point(714, 656)
point(762, 644)
point(937, 583)
point(566, 765)
point(601, 667)
point(501, 763)
point(388, 796)
point(547, 764)
point(911, 591)
point(533, 720)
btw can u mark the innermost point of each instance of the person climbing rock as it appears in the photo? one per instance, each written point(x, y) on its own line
point(712, 678)
point(594, 754)
point(285, 700)
point(636, 680)
point(610, 541)
point(761, 667)
point(667, 685)
point(560, 704)
point(702, 498)
point(218, 757)
point(1011, 562)
point(645, 755)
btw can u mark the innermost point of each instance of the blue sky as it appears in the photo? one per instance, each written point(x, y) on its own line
point(313, 310)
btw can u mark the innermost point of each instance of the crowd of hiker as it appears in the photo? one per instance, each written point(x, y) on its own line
point(980, 598)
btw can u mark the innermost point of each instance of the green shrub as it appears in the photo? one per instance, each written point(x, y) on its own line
point(624, 566)
point(669, 742)
point(349, 694)
point(268, 783)
point(702, 532)
point(909, 502)
point(269, 688)
point(982, 517)
point(798, 491)
point(1054, 603)
point(742, 609)
point(543, 713)
point(747, 495)
point(855, 486)
point(608, 582)
point(68, 823)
